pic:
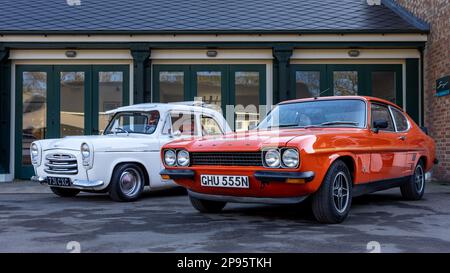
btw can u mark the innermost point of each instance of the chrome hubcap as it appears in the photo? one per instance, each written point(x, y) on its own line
point(130, 182)
point(419, 179)
point(341, 192)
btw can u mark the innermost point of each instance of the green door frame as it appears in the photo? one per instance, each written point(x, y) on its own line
point(157, 68)
point(324, 90)
point(223, 69)
point(228, 88)
point(364, 77)
point(21, 171)
point(56, 100)
point(397, 68)
point(96, 69)
point(53, 102)
point(261, 69)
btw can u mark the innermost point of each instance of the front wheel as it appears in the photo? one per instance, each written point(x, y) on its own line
point(207, 206)
point(127, 183)
point(64, 192)
point(331, 203)
point(415, 187)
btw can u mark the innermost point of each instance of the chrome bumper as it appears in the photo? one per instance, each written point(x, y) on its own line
point(244, 199)
point(76, 183)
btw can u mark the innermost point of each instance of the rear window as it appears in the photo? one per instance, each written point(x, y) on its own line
point(400, 120)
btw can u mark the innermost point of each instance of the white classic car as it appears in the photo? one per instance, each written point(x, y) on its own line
point(127, 156)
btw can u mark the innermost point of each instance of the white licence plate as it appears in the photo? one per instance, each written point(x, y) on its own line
point(225, 181)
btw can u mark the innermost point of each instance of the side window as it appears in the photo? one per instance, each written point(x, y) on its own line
point(381, 112)
point(210, 127)
point(181, 121)
point(400, 120)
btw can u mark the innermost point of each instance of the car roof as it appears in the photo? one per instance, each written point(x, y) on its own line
point(164, 107)
point(365, 98)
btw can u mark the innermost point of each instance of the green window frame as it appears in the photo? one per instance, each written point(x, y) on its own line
point(228, 87)
point(364, 77)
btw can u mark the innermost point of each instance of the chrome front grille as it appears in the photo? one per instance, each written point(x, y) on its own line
point(61, 164)
point(226, 158)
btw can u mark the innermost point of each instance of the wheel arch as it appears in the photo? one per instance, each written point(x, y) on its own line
point(427, 165)
point(349, 161)
point(140, 165)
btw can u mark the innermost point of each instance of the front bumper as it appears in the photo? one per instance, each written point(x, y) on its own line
point(247, 199)
point(177, 174)
point(76, 183)
point(263, 176)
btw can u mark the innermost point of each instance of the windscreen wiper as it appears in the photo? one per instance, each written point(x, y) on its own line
point(338, 122)
point(331, 123)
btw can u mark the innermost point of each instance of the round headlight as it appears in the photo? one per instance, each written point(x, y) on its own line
point(85, 151)
point(170, 158)
point(272, 158)
point(183, 158)
point(290, 158)
point(34, 150)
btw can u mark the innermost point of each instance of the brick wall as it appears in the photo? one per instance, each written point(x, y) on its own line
point(436, 65)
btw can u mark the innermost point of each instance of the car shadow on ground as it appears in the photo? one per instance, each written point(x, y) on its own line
point(303, 212)
point(178, 191)
point(296, 212)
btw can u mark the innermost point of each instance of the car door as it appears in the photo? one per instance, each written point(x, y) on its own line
point(387, 158)
point(408, 147)
point(179, 124)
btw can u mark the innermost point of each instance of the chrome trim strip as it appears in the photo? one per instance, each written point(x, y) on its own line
point(61, 166)
point(60, 171)
point(87, 183)
point(77, 183)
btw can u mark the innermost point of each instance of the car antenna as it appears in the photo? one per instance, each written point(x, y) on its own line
point(320, 94)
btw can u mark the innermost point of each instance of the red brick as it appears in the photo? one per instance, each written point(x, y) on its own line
point(436, 65)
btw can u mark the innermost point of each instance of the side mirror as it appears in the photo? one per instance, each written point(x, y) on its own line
point(177, 133)
point(379, 124)
point(424, 129)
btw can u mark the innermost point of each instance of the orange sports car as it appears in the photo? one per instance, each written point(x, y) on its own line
point(328, 149)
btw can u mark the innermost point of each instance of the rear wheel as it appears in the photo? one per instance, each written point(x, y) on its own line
point(207, 206)
point(415, 187)
point(331, 203)
point(127, 183)
point(64, 192)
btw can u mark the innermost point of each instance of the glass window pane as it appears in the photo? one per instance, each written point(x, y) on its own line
point(34, 110)
point(307, 84)
point(400, 120)
point(381, 113)
point(133, 123)
point(247, 85)
point(345, 83)
point(171, 86)
point(110, 95)
point(383, 85)
point(209, 87)
point(72, 103)
point(184, 123)
point(210, 126)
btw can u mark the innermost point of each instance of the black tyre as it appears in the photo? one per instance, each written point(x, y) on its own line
point(64, 192)
point(331, 203)
point(207, 206)
point(415, 187)
point(127, 183)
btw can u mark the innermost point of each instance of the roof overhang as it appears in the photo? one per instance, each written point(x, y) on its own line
point(212, 38)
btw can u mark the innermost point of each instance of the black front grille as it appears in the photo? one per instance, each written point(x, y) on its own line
point(226, 158)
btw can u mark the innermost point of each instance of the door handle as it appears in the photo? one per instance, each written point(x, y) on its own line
point(402, 138)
